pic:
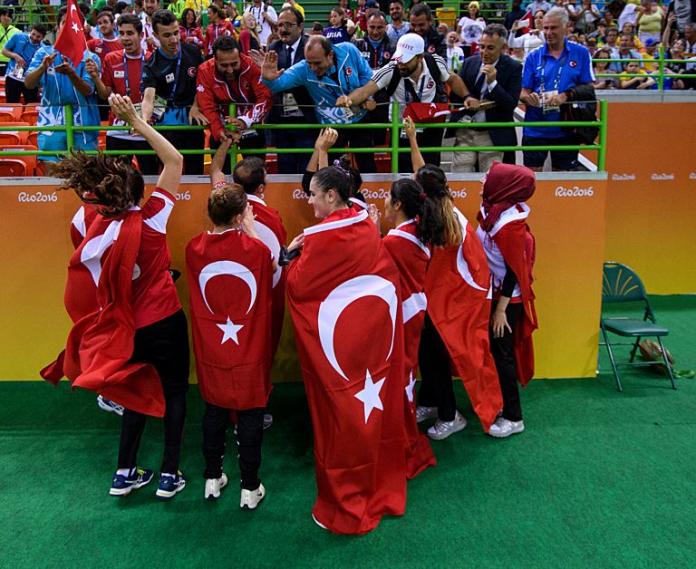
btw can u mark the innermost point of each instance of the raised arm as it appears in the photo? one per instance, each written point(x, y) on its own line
point(358, 96)
point(417, 161)
point(171, 159)
point(217, 176)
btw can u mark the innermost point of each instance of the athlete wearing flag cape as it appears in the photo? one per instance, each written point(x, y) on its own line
point(134, 348)
point(343, 296)
point(510, 250)
point(230, 274)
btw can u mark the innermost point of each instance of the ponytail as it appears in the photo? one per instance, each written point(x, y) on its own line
point(409, 194)
point(438, 224)
point(333, 178)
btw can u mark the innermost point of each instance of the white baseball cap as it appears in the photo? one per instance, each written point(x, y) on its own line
point(408, 47)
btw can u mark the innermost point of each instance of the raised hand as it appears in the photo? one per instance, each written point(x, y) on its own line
point(123, 108)
point(92, 68)
point(326, 139)
point(269, 69)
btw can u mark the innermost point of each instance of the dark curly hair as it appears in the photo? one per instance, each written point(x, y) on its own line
point(110, 183)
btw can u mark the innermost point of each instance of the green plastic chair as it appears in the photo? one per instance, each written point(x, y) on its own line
point(621, 285)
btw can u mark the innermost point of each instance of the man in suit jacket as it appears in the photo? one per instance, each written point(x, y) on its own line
point(294, 106)
point(495, 77)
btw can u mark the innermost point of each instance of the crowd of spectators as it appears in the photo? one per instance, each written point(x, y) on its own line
point(186, 62)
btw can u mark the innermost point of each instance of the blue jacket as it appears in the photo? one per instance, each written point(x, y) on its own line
point(21, 45)
point(350, 71)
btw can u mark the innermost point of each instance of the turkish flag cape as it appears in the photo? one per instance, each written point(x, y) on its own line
point(517, 245)
point(100, 344)
point(344, 301)
point(229, 276)
point(411, 258)
point(71, 41)
point(457, 287)
point(270, 229)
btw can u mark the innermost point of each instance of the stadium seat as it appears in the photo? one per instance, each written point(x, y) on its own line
point(620, 284)
point(13, 136)
point(30, 161)
point(30, 114)
point(13, 168)
point(10, 113)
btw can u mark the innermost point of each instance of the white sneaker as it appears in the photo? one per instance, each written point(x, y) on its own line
point(109, 406)
point(425, 413)
point(504, 428)
point(213, 487)
point(443, 429)
point(251, 498)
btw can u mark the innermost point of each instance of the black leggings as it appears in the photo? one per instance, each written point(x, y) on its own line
point(436, 389)
point(163, 344)
point(249, 438)
point(503, 350)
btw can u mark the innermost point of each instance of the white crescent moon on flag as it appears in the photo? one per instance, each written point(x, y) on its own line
point(93, 251)
point(271, 241)
point(220, 268)
point(462, 265)
point(338, 300)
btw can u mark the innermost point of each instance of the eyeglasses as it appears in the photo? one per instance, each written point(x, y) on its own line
point(286, 25)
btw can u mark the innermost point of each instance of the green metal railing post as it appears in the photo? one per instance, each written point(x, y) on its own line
point(602, 160)
point(233, 149)
point(69, 123)
point(661, 69)
point(395, 137)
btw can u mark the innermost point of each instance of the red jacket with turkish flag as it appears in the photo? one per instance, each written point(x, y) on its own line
point(216, 92)
point(230, 277)
point(343, 295)
point(411, 258)
point(457, 287)
point(103, 47)
point(271, 231)
point(71, 41)
point(100, 343)
point(214, 31)
point(510, 242)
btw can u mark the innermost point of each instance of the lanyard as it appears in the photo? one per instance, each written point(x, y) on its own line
point(557, 79)
point(172, 92)
point(410, 91)
point(126, 73)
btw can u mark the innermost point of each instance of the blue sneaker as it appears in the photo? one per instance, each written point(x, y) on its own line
point(122, 485)
point(170, 484)
point(109, 406)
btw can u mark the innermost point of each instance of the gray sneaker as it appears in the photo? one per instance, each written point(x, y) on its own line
point(425, 413)
point(503, 428)
point(443, 429)
point(250, 499)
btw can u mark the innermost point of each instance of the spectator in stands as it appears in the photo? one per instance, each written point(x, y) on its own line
point(62, 84)
point(345, 6)
point(552, 74)
point(217, 27)
point(421, 23)
point(650, 54)
point(169, 80)
point(535, 5)
point(266, 17)
point(626, 50)
point(413, 76)
point(317, 29)
point(398, 27)
point(376, 47)
point(232, 77)
point(109, 39)
point(600, 32)
point(294, 105)
point(470, 28)
point(122, 73)
point(20, 50)
point(628, 79)
point(189, 30)
point(532, 39)
point(650, 21)
point(248, 38)
point(676, 68)
point(455, 54)
point(490, 77)
point(587, 17)
point(337, 32)
point(516, 12)
point(612, 39)
point(150, 42)
point(601, 67)
point(690, 38)
point(7, 30)
point(328, 72)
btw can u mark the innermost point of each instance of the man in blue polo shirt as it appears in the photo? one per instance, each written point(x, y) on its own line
point(20, 51)
point(550, 71)
point(328, 72)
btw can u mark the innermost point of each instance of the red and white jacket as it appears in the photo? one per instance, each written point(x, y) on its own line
point(215, 93)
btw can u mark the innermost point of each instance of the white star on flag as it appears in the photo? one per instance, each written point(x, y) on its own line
point(76, 28)
point(369, 395)
point(230, 330)
point(410, 386)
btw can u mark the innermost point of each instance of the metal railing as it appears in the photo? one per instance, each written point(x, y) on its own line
point(394, 148)
point(659, 75)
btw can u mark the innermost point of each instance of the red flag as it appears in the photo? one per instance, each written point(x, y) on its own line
point(271, 231)
point(428, 112)
point(343, 296)
point(100, 344)
point(516, 243)
point(230, 277)
point(71, 42)
point(411, 258)
point(457, 287)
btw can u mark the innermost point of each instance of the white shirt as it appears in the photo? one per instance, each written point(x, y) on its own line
point(471, 30)
point(455, 58)
point(258, 13)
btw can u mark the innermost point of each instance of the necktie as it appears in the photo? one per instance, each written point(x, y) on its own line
point(289, 57)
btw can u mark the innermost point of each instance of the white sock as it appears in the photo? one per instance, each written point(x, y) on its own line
point(125, 471)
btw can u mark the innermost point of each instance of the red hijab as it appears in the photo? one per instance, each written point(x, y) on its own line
point(505, 185)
